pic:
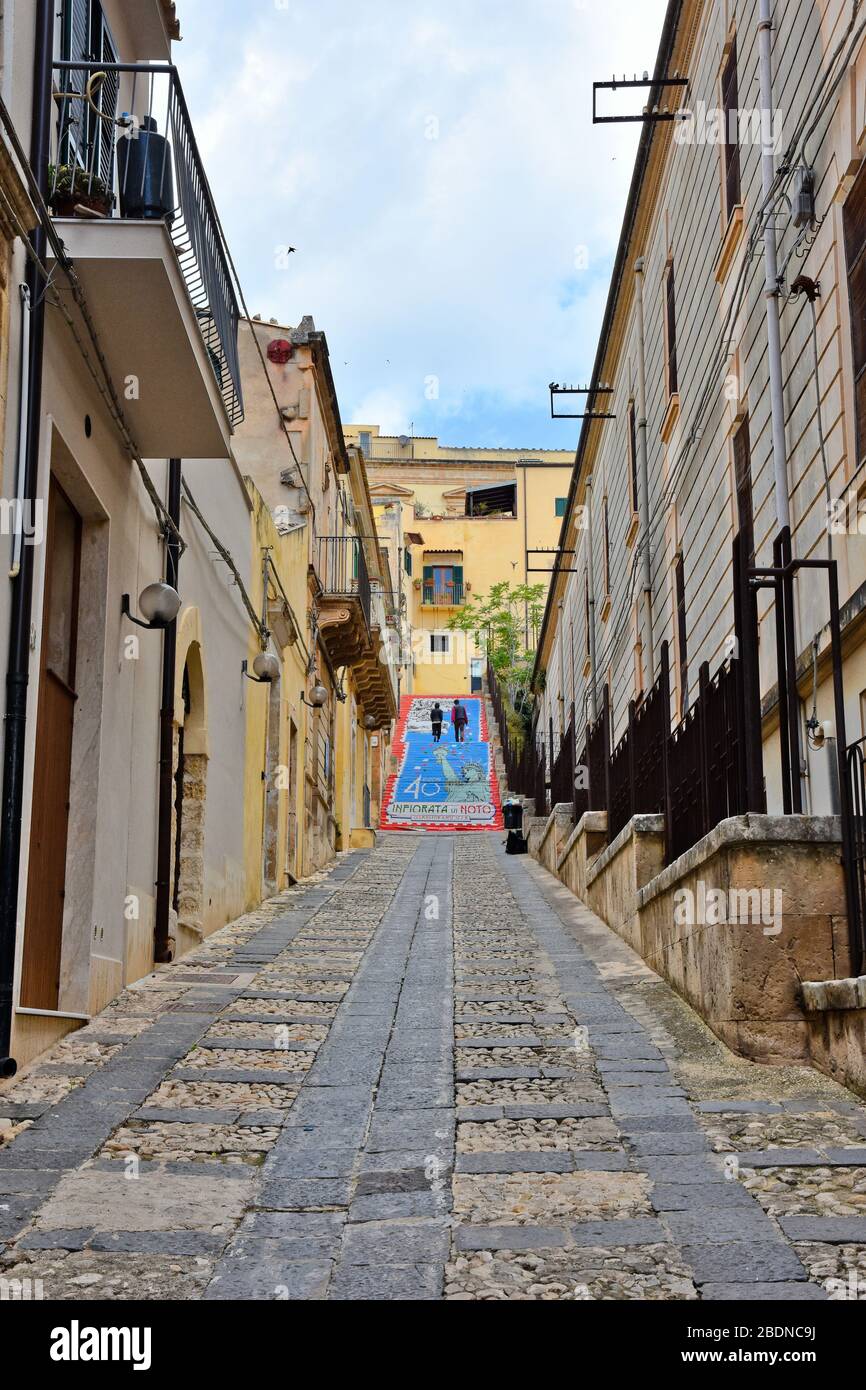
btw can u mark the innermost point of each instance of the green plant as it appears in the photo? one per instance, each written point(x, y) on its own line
point(69, 181)
point(501, 622)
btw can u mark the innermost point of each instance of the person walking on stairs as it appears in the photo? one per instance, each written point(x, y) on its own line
point(459, 718)
point(437, 714)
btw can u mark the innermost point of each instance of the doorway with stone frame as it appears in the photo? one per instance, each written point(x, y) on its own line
point(190, 800)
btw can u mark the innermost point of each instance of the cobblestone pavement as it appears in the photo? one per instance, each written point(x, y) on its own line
point(430, 1074)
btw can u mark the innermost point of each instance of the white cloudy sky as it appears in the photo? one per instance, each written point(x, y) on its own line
point(453, 257)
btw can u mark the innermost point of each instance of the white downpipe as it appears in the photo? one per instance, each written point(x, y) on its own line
point(21, 460)
point(593, 697)
point(643, 474)
point(561, 629)
point(771, 273)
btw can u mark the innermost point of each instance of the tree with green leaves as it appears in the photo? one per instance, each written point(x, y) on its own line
point(500, 621)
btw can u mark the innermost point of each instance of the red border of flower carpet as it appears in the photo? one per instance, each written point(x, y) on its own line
point(398, 749)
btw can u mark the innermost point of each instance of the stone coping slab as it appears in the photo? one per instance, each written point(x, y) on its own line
point(738, 831)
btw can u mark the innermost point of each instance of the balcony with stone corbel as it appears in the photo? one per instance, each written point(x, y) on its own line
point(349, 624)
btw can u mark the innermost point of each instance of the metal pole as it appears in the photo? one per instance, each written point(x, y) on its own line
point(771, 272)
point(162, 950)
point(593, 699)
point(643, 473)
point(23, 399)
point(561, 629)
point(851, 889)
point(787, 591)
point(782, 678)
point(18, 667)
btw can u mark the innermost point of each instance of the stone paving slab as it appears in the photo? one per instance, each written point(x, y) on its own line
point(744, 1262)
point(763, 1293)
point(844, 1230)
point(346, 1175)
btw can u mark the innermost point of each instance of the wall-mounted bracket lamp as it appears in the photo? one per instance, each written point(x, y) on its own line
point(266, 669)
point(318, 697)
point(159, 603)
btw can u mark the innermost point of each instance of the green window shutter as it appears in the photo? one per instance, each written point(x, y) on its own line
point(428, 574)
point(458, 576)
point(407, 561)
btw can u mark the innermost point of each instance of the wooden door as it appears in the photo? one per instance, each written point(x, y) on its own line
point(49, 829)
point(292, 819)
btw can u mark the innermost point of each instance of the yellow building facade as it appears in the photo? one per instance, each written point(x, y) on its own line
point(318, 738)
point(453, 521)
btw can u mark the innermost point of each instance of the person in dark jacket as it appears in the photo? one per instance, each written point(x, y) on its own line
point(459, 718)
point(437, 714)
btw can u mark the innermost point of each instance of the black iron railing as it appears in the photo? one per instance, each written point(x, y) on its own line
point(562, 771)
point(125, 148)
point(637, 764)
point(857, 870)
point(342, 570)
point(691, 775)
point(442, 595)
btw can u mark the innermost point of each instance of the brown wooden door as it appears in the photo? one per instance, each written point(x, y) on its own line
point(46, 882)
point(292, 821)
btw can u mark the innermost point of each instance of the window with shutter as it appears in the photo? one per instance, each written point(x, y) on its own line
point(743, 482)
point(671, 331)
point(85, 138)
point(731, 148)
point(854, 223)
point(632, 455)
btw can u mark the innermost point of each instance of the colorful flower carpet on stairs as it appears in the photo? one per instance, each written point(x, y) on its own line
point(445, 785)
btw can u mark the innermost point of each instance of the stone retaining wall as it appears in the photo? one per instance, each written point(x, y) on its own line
point(734, 925)
point(836, 1018)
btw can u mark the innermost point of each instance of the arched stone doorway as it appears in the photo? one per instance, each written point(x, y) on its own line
point(190, 781)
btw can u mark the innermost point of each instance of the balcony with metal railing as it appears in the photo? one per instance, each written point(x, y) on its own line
point(442, 595)
point(350, 616)
point(134, 209)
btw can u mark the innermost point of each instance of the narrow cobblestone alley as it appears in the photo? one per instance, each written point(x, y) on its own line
point(429, 1074)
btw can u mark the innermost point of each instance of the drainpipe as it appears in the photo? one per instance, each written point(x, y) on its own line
point(643, 473)
point(593, 694)
point(18, 666)
point(162, 947)
point(21, 463)
point(771, 272)
point(561, 609)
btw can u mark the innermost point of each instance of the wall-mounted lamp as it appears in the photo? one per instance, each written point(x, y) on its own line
point(159, 603)
point(318, 697)
point(818, 731)
point(370, 721)
point(266, 669)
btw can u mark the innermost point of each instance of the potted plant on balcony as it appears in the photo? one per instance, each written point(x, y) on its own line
point(72, 188)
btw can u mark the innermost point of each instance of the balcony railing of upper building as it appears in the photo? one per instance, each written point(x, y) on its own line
point(442, 595)
point(342, 570)
point(125, 148)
